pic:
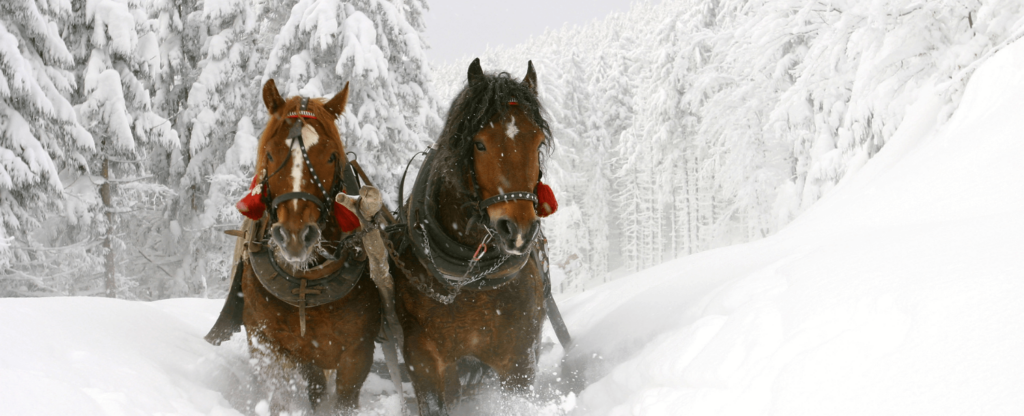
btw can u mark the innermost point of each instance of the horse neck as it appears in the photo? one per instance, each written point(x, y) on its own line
point(452, 214)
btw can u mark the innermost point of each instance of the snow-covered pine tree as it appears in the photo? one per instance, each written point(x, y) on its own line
point(377, 46)
point(178, 26)
point(224, 91)
point(39, 137)
point(116, 52)
point(222, 100)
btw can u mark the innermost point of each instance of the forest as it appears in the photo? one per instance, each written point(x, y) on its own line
point(128, 127)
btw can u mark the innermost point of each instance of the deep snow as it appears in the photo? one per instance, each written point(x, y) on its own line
point(898, 293)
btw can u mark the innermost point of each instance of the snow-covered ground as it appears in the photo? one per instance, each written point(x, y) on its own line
point(899, 293)
point(902, 292)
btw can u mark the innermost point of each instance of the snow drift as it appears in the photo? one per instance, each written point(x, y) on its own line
point(899, 293)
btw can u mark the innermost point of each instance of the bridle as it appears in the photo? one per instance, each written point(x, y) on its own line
point(453, 264)
point(324, 205)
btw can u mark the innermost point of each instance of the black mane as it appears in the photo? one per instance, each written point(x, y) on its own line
point(472, 108)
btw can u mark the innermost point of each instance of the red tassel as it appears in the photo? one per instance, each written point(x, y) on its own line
point(347, 220)
point(546, 203)
point(252, 205)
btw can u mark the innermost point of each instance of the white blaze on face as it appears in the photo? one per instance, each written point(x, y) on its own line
point(510, 129)
point(309, 139)
point(309, 136)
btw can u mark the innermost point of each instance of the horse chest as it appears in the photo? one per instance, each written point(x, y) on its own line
point(478, 321)
point(332, 329)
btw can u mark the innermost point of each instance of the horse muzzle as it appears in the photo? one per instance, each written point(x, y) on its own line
point(513, 239)
point(296, 245)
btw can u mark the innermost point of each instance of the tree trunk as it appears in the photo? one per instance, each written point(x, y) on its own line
point(109, 282)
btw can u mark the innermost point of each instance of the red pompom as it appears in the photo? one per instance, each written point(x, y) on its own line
point(347, 220)
point(546, 203)
point(252, 205)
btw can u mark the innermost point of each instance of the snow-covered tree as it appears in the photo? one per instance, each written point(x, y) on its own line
point(217, 106)
point(39, 132)
point(115, 53)
point(728, 118)
point(377, 46)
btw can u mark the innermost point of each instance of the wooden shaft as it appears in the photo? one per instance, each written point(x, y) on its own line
point(359, 170)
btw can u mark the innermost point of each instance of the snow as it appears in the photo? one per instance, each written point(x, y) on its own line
point(97, 356)
point(360, 40)
point(898, 293)
point(101, 356)
point(106, 103)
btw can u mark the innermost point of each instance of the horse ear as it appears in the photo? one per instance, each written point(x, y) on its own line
point(337, 104)
point(475, 72)
point(531, 77)
point(271, 97)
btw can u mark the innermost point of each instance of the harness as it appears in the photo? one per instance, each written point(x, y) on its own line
point(446, 259)
point(329, 281)
point(342, 171)
point(455, 265)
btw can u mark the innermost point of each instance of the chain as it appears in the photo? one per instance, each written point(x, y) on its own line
point(457, 285)
point(419, 283)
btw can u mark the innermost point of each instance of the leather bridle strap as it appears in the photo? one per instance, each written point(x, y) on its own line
point(298, 195)
point(295, 134)
point(511, 196)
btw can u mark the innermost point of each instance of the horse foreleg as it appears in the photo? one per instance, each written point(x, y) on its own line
point(427, 370)
point(517, 375)
point(352, 370)
point(316, 382)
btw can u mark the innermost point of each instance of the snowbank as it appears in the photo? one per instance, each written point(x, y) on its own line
point(95, 356)
point(898, 293)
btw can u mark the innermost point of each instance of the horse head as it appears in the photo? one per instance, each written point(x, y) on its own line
point(301, 161)
point(506, 156)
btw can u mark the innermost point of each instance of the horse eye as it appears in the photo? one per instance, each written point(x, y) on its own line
point(480, 146)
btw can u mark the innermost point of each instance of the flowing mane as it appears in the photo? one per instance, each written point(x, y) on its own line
point(477, 104)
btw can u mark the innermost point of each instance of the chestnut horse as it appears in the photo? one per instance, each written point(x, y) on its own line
point(301, 167)
point(468, 281)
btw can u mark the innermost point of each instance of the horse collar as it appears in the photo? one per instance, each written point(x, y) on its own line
point(450, 262)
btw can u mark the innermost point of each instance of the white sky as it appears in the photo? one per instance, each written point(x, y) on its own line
point(458, 29)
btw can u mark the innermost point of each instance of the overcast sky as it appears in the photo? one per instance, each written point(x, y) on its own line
point(458, 29)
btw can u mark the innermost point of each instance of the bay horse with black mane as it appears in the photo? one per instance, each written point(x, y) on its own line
point(303, 294)
point(470, 280)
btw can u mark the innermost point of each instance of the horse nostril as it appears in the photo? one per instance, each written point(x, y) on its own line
point(310, 235)
point(507, 228)
point(278, 235)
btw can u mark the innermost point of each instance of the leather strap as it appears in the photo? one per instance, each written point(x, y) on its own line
point(511, 196)
point(333, 285)
point(298, 195)
point(447, 259)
